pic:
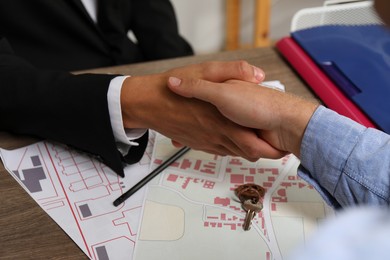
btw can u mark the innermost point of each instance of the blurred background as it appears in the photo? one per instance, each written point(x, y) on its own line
point(203, 22)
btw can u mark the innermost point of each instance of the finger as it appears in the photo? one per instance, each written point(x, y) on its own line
point(218, 71)
point(195, 88)
point(218, 149)
point(221, 147)
point(177, 144)
point(253, 147)
point(246, 143)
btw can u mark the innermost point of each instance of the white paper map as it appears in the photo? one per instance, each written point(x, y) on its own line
point(77, 191)
point(190, 211)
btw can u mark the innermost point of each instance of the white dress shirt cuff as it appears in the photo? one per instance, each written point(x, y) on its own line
point(123, 137)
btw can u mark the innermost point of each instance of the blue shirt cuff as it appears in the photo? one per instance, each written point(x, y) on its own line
point(328, 141)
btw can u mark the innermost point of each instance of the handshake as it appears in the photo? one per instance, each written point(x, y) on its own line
point(217, 107)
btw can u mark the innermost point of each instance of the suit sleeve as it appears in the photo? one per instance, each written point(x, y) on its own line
point(56, 105)
point(155, 27)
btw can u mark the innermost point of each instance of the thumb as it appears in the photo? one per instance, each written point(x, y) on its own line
point(194, 88)
point(175, 85)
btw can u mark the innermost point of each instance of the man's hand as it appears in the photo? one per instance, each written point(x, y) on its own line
point(280, 118)
point(148, 103)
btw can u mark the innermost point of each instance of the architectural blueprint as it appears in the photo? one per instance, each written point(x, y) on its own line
point(77, 192)
point(190, 210)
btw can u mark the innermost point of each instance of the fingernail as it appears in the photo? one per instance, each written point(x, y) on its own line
point(174, 81)
point(259, 74)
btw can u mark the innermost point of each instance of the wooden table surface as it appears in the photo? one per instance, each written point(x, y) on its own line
point(27, 232)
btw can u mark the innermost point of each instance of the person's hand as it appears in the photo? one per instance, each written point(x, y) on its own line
point(280, 118)
point(148, 103)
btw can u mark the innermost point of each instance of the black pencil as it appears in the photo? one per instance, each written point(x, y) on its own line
point(151, 175)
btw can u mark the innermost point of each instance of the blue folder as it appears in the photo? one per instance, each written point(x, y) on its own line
point(357, 59)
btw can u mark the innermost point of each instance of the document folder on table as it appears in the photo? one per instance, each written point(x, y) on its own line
point(347, 66)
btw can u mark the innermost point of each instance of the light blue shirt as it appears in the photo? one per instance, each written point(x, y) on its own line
point(348, 164)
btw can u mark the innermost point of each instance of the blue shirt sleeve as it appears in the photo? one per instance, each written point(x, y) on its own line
point(346, 162)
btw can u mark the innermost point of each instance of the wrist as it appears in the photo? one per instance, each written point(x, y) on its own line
point(136, 95)
point(143, 99)
point(294, 122)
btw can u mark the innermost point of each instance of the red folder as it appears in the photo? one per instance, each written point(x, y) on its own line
point(324, 87)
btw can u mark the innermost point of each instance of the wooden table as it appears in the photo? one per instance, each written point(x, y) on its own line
point(27, 232)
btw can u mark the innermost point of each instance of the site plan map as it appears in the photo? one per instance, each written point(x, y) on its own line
point(190, 210)
point(77, 192)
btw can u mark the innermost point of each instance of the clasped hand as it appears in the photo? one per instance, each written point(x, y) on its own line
point(215, 107)
point(279, 119)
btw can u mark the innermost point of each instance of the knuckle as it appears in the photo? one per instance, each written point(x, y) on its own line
point(208, 65)
point(195, 82)
point(245, 70)
point(252, 153)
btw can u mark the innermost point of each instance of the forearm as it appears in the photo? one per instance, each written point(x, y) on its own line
point(347, 163)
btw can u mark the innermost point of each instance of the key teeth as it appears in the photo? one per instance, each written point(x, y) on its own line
point(247, 227)
point(251, 210)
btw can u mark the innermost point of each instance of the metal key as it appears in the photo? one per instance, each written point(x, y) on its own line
point(250, 191)
point(251, 210)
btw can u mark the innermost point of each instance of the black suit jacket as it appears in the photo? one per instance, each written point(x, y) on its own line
point(41, 35)
point(61, 35)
